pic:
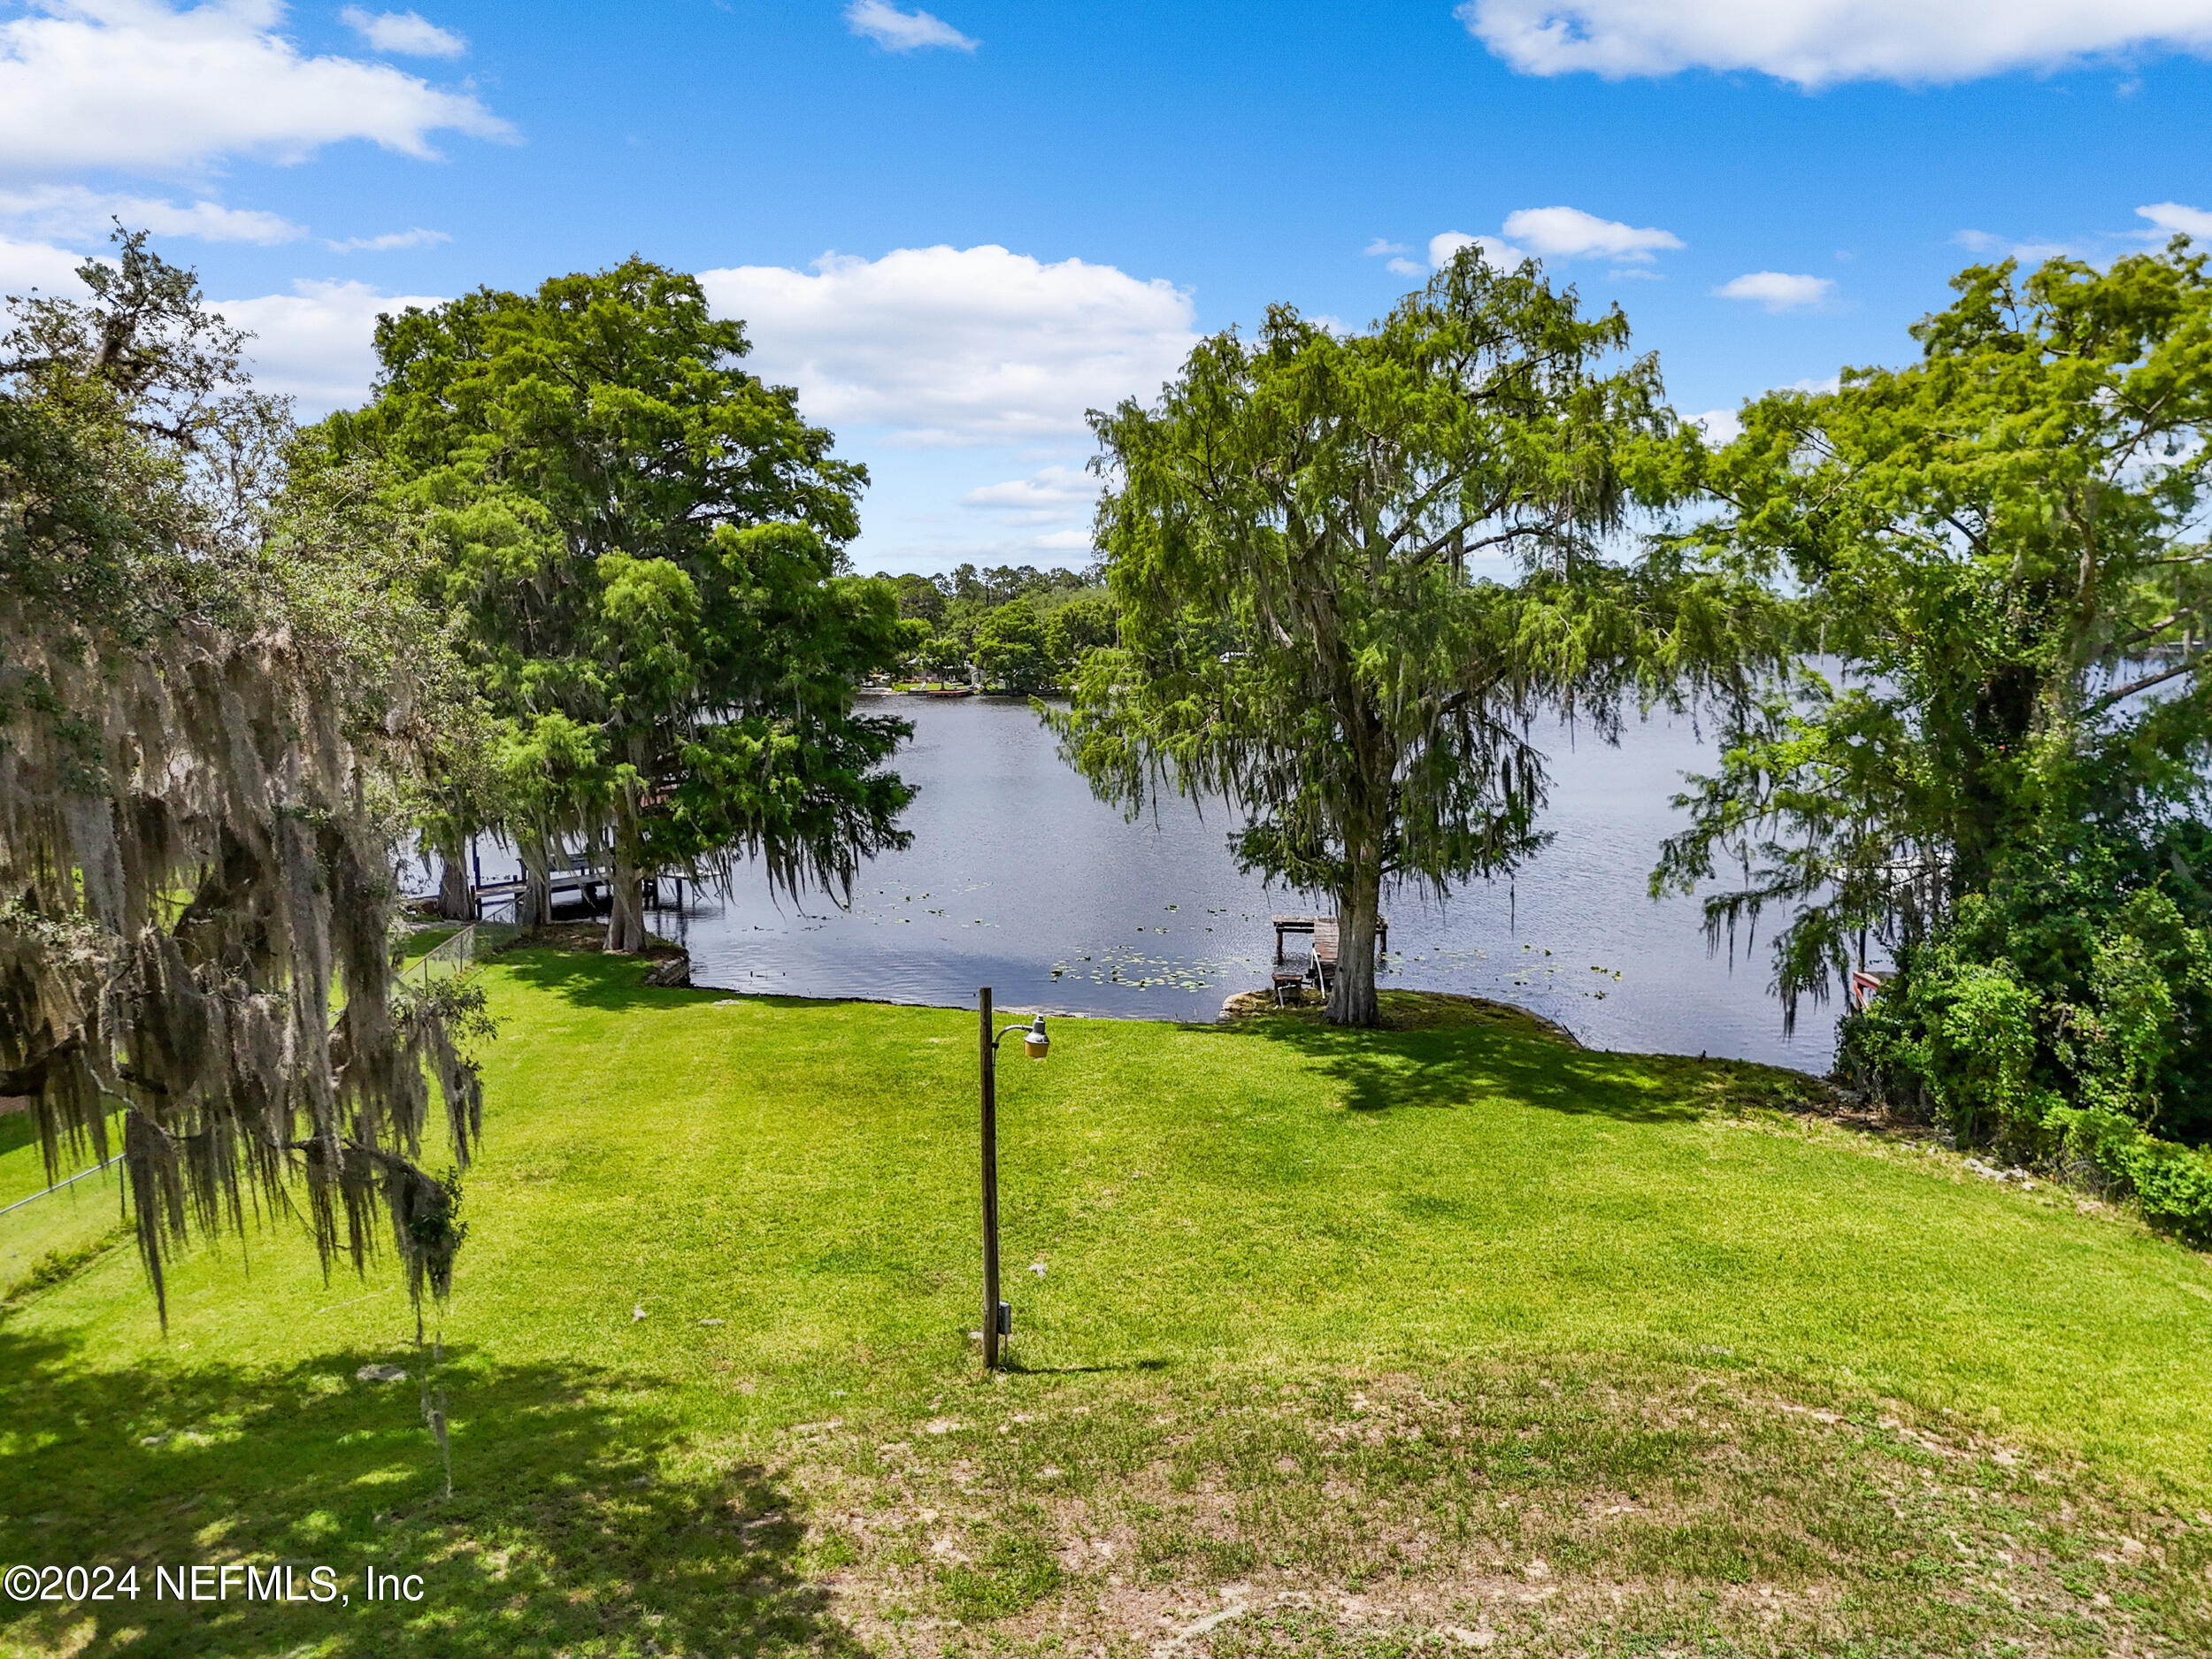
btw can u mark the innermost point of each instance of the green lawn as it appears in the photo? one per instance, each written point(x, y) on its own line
point(1512, 1344)
point(57, 1228)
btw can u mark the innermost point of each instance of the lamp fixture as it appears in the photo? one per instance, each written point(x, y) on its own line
point(998, 1318)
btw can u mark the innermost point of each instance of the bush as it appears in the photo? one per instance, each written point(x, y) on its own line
point(2170, 1184)
point(2173, 1185)
point(2067, 993)
point(1960, 1036)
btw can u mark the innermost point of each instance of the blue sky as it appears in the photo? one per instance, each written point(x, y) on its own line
point(953, 228)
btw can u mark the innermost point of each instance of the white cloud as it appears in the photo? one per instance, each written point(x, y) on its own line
point(1725, 425)
point(2174, 218)
point(1559, 233)
point(390, 241)
point(897, 31)
point(1048, 496)
point(71, 210)
point(1568, 233)
point(137, 85)
point(1380, 246)
point(1407, 268)
point(1444, 244)
point(403, 32)
point(2028, 253)
point(1776, 290)
point(957, 345)
point(25, 265)
point(1819, 42)
point(317, 343)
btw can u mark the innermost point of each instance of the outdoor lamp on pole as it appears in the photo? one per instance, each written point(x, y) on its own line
point(998, 1318)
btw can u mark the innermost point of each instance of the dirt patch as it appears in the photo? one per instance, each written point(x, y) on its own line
point(1533, 1509)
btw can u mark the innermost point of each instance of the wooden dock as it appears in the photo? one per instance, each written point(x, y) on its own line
point(1323, 930)
point(578, 884)
point(1318, 965)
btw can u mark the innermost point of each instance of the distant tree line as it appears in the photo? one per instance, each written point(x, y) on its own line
point(1007, 628)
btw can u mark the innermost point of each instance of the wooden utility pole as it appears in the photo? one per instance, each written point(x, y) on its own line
point(990, 1188)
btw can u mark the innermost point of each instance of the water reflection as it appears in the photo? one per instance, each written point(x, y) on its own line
point(1019, 880)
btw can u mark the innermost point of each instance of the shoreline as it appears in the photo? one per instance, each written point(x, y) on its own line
point(666, 949)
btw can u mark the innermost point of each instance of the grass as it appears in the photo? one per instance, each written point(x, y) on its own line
point(58, 1229)
point(1451, 1334)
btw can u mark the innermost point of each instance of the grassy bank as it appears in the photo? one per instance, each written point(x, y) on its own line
point(58, 1230)
point(1454, 1334)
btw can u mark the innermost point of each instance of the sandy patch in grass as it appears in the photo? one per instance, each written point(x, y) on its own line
point(1540, 1510)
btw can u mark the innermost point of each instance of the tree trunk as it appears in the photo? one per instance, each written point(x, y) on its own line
point(625, 911)
point(1352, 993)
point(456, 893)
point(534, 908)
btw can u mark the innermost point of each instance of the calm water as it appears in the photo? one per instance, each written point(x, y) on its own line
point(1019, 880)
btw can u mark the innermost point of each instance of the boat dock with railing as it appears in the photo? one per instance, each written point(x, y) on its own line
point(1318, 965)
point(571, 884)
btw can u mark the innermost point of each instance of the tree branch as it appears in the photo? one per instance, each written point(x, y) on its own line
point(2121, 694)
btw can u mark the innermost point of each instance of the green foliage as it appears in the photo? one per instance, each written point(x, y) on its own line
point(2066, 1016)
point(919, 598)
point(1011, 651)
point(943, 656)
point(1001, 584)
point(1303, 630)
point(2172, 1186)
point(1966, 1031)
point(1993, 557)
point(2080, 989)
point(436, 1233)
point(914, 633)
point(644, 542)
point(1022, 629)
point(218, 692)
point(1086, 623)
point(63, 1264)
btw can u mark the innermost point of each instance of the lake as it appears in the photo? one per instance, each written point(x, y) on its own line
point(1018, 879)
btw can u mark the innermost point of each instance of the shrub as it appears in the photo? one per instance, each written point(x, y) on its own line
point(2173, 1185)
point(2057, 994)
point(2170, 1184)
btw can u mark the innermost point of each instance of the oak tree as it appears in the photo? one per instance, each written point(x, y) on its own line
point(217, 694)
point(645, 542)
